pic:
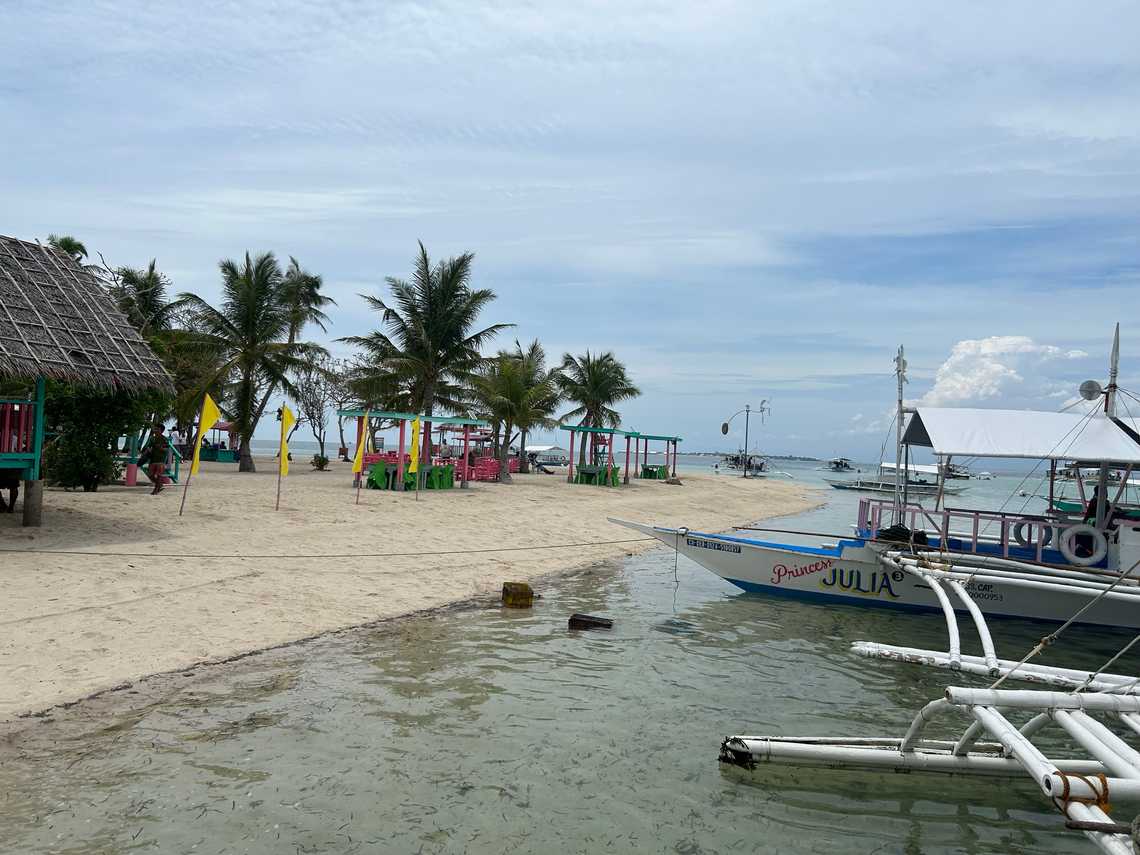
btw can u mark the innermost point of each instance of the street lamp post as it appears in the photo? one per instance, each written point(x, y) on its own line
point(747, 419)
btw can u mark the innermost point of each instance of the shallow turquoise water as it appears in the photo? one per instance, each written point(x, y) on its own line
point(486, 730)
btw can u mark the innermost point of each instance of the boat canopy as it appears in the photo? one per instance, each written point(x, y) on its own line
point(1020, 433)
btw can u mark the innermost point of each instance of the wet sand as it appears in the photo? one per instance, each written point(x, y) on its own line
point(124, 587)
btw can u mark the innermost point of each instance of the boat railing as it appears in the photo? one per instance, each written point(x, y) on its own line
point(971, 527)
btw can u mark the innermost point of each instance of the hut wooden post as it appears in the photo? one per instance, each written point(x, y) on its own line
point(131, 477)
point(570, 473)
point(425, 455)
point(466, 451)
point(400, 457)
point(625, 480)
point(34, 486)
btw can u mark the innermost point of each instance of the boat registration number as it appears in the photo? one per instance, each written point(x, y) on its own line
point(714, 545)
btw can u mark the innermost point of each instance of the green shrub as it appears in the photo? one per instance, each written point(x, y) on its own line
point(85, 424)
point(320, 462)
point(78, 459)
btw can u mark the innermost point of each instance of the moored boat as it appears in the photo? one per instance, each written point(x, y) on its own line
point(1018, 565)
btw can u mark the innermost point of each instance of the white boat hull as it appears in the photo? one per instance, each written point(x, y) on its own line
point(850, 573)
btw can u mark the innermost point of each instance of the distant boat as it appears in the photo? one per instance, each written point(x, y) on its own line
point(548, 455)
point(755, 464)
point(840, 464)
point(887, 485)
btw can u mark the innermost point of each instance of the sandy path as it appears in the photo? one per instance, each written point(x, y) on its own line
point(73, 624)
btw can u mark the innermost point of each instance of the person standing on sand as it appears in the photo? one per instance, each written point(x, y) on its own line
point(155, 455)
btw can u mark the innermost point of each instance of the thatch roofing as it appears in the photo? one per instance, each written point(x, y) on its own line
point(57, 321)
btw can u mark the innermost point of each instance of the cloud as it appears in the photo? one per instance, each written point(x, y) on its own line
point(1010, 371)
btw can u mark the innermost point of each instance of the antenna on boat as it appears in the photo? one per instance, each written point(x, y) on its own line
point(900, 475)
point(1110, 411)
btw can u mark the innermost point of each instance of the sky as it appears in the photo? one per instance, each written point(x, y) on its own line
point(743, 201)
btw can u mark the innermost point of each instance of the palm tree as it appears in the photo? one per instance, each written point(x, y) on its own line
point(595, 384)
point(301, 292)
point(141, 295)
point(426, 347)
point(517, 392)
point(543, 396)
point(68, 244)
point(250, 332)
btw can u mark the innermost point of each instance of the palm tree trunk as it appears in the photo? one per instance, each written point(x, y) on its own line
point(524, 461)
point(429, 405)
point(505, 454)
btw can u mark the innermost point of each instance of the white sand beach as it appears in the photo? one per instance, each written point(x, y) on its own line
point(77, 624)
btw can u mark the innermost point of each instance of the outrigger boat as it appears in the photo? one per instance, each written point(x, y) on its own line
point(992, 562)
point(839, 464)
point(888, 476)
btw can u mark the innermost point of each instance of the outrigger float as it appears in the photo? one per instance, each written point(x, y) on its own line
point(1096, 710)
point(1044, 567)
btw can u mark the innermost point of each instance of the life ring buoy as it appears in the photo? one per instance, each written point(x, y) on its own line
point(1019, 534)
point(1069, 535)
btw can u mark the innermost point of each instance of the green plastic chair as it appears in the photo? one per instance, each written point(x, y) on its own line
point(449, 477)
point(615, 477)
point(377, 477)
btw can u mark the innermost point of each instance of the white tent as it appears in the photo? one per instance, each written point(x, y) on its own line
point(1020, 433)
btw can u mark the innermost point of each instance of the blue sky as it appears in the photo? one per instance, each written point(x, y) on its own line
point(742, 200)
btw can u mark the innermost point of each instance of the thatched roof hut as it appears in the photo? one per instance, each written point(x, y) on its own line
point(57, 321)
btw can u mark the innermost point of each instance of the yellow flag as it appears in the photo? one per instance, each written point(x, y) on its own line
point(210, 415)
point(287, 421)
point(361, 443)
point(414, 464)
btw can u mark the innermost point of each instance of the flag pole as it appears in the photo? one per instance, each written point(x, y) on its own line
point(281, 452)
point(190, 470)
point(362, 448)
point(277, 506)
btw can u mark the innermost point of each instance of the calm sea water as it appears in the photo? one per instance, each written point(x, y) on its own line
point(484, 730)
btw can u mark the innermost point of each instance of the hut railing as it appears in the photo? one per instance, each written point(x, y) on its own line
point(17, 427)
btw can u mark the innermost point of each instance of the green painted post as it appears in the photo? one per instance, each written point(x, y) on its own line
point(41, 397)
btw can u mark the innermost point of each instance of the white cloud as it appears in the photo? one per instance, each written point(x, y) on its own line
point(1004, 370)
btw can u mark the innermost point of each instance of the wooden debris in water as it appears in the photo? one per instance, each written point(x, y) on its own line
point(518, 595)
point(580, 621)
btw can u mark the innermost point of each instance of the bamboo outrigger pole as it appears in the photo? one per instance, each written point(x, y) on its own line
point(900, 373)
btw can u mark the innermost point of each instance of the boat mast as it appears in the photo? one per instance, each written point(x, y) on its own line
point(1110, 411)
point(900, 374)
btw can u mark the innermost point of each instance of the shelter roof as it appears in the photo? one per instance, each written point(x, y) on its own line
point(1020, 433)
point(406, 417)
point(58, 321)
point(661, 438)
point(584, 429)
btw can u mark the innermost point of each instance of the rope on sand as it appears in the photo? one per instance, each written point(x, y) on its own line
point(308, 556)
